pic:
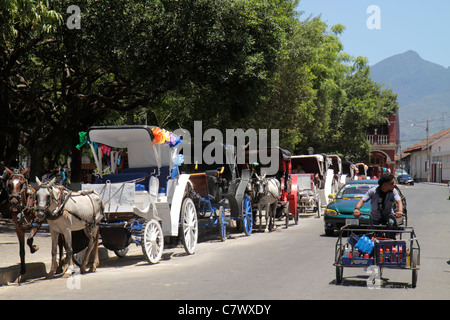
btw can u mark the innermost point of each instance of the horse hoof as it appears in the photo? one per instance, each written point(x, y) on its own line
point(34, 248)
point(67, 275)
point(63, 268)
point(51, 275)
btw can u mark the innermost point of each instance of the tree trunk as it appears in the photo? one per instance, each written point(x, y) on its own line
point(75, 174)
point(37, 161)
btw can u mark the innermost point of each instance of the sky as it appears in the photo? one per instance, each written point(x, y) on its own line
point(396, 26)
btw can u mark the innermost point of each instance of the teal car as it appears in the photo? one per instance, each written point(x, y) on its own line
point(345, 202)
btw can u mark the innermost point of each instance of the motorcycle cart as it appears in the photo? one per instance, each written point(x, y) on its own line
point(376, 247)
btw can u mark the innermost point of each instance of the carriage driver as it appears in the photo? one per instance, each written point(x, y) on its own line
point(381, 201)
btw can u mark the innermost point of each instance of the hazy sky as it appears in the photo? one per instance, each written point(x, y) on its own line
point(422, 26)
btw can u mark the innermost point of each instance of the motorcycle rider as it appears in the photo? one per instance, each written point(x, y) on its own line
point(381, 201)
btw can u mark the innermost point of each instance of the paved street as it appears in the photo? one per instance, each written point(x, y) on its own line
point(289, 264)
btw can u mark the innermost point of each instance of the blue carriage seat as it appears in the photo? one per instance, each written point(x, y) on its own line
point(162, 177)
point(130, 174)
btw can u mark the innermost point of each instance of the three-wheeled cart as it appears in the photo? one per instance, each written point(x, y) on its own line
point(374, 245)
point(146, 199)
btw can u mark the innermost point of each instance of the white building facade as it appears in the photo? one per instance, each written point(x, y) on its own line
point(437, 167)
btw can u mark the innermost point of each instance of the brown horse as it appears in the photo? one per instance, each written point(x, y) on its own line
point(22, 202)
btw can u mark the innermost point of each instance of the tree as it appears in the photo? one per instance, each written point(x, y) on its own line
point(365, 104)
point(26, 25)
point(215, 55)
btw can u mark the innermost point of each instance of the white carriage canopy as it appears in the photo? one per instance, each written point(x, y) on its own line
point(143, 147)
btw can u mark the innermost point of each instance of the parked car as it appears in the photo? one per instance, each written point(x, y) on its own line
point(345, 201)
point(400, 172)
point(406, 179)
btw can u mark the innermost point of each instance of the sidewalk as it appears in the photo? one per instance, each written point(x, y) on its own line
point(37, 264)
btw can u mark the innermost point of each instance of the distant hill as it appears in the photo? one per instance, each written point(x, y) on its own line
point(423, 90)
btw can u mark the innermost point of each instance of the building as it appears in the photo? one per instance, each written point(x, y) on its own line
point(385, 142)
point(417, 162)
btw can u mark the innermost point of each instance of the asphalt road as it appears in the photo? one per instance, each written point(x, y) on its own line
point(287, 264)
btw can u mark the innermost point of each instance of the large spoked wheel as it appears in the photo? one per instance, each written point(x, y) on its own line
point(247, 215)
point(188, 225)
point(152, 241)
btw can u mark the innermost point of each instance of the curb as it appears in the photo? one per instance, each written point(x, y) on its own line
point(35, 270)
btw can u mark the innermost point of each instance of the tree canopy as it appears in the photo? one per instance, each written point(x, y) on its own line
point(230, 63)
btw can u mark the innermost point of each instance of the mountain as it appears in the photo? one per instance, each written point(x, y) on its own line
point(423, 90)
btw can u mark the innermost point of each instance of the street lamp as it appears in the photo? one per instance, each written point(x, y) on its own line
point(428, 148)
point(310, 150)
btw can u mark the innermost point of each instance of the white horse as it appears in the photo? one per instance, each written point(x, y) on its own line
point(267, 192)
point(68, 211)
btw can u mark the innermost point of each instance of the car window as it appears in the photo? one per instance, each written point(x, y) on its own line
point(353, 191)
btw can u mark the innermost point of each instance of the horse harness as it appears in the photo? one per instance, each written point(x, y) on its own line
point(62, 201)
point(24, 191)
point(17, 195)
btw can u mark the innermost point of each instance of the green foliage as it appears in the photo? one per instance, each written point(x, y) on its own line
point(239, 63)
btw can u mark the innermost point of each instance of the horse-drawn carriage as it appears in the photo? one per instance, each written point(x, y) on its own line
point(283, 196)
point(219, 188)
point(146, 200)
point(311, 174)
point(339, 178)
point(360, 170)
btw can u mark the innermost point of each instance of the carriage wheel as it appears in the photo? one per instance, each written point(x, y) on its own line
point(152, 241)
point(222, 224)
point(247, 215)
point(188, 225)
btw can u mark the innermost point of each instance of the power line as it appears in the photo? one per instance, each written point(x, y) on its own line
point(425, 120)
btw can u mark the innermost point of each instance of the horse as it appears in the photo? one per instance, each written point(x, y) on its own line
point(21, 206)
point(68, 211)
point(268, 192)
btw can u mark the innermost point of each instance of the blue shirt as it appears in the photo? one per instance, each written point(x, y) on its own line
point(377, 208)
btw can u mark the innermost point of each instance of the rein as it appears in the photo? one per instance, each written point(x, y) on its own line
point(64, 196)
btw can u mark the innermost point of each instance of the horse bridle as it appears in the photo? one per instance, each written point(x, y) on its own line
point(21, 217)
point(61, 202)
point(17, 195)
